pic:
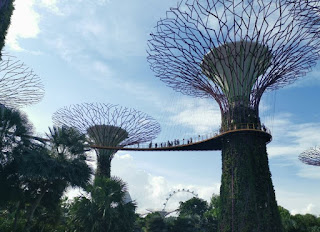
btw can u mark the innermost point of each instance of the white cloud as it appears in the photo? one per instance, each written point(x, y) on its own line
point(309, 209)
point(311, 172)
point(51, 5)
point(24, 23)
point(290, 138)
point(198, 114)
point(150, 191)
point(65, 48)
point(102, 68)
point(299, 203)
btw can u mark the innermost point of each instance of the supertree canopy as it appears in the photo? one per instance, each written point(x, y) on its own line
point(311, 156)
point(308, 11)
point(234, 51)
point(108, 125)
point(19, 85)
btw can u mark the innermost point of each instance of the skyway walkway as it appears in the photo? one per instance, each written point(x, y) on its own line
point(201, 143)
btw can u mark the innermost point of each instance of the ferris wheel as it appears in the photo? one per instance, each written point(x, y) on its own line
point(163, 212)
point(171, 194)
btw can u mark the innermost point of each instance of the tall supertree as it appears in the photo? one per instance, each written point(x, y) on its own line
point(311, 156)
point(233, 51)
point(108, 125)
point(19, 85)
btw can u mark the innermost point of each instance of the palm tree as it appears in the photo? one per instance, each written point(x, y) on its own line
point(106, 210)
point(6, 9)
point(15, 131)
point(47, 170)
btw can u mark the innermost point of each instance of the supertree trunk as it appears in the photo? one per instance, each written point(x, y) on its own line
point(108, 125)
point(104, 163)
point(233, 51)
point(247, 196)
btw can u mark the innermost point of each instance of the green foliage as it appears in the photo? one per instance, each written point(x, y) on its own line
point(247, 197)
point(193, 207)
point(106, 209)
point(155, 223)
point(6, 9)
point(298, 222)
point(187, 224)
point(34, 176)
point(14, 141)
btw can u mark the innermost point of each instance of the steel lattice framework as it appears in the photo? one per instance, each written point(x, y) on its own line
point(200, 42)
point(107, 124)
point(234, 51)
point(308, 11)
point(311, 156)
point(19, 85)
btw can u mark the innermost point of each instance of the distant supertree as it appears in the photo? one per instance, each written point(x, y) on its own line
point(108, 125)
point(19, 85)
point(311, 156)
point(233, 51)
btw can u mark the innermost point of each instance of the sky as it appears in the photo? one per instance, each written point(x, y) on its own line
point(95, 51)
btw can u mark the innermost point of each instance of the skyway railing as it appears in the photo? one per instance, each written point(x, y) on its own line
point(200, 138)
point(183, 144)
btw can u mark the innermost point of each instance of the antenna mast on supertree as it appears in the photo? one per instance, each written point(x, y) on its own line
point(311, 156)
point(108, 125)
point(234, 51)
point(19, 85)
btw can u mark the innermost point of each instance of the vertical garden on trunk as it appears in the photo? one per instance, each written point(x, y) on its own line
point(233, 52)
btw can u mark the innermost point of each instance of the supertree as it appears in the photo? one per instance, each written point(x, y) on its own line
point(233, 51)
point(108, 125)
point(19, 85)
point(311, 156)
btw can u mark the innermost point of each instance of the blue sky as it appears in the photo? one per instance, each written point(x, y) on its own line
point(95, 51)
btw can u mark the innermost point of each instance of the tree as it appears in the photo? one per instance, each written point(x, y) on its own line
point(212, 215)
point(288, 223)
point(15, 139)
point(47, 171)
point(6, 9)
point(106, 210)
point(35, 175)
point(232, 52)
point(193, 207)
point(194, 216)
point(154, 222)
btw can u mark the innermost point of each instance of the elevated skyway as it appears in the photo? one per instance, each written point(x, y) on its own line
point(211, 142)
point(200, 143)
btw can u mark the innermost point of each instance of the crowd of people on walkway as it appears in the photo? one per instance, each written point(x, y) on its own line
point(177, 142)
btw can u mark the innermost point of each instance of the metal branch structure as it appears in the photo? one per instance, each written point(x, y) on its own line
point(108, 125)
point(311, 156)
point(308, 12)
point(19, 85)
point(233, 51)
